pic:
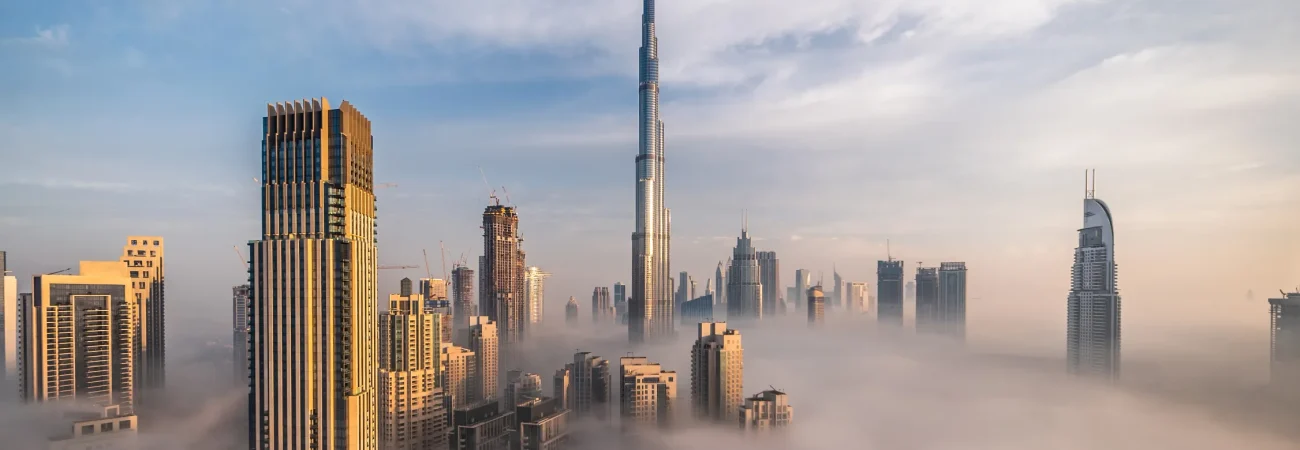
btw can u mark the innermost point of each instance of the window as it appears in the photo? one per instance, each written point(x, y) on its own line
point(106, 426)
point(146, 274)
point(124, 425)
point(148, 263)
point(135, 274)
point(155, 243)
point(152, 253)
point(133, 242)
point(87, 429)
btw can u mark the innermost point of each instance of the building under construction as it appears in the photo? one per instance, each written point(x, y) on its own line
point(501, 274)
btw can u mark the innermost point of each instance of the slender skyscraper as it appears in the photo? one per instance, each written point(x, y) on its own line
point(889, 281)
point(683, 293)
point(650, 316)
point(535, 291)
point(484, 343)
point(8, 328)
point(802, 281)
point(857, 301)
point(816, 307)
point(952, 299)
point(927, 300)
point(620, 302)
point(143, 255)
point(314, 317)
point(1093, 327)
point(1284, 342)
point(719, 281)
point(239, 339)
point(571, 311)
point(717, 372)
point(837, 294)
point(770, 277)
point(743, 283)
point(462, 288)
point(501, 280)
point(602, 311)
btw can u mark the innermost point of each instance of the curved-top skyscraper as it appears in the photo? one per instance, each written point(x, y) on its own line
point(650, 306)
point(1093, 326)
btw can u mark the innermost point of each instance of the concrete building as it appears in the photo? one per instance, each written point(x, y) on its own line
point(620, 302)
point(483, 342)
point(744, 288)
point(462, 301)
point(588, 386)
point(698, 310)
point(717, 373)
point(816, 307)
point(857, 298)
point(1284, 342)
point(484, 426)
point(802, 281)
point(458, 375)
point(79, 337)
point(571, 311)
point(8, 327)
point(535, 292)
point(766, 411)
point(650, 306)
point(889, 283)
point(314, 281)
point(1093, 325)
point(543, 424)
point(502, 297)
point(927, 300)
point(602, 310)
point(769, 275)
point(952, 299)
point(110, 429)
point(143, 255)
point(412, 406)
point(648, 393)
point(239, 337)
point(521, 387)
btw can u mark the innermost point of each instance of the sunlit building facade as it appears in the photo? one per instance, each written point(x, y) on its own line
point(143, 255)
point(717, 372)
point(650, 305)
point(648, 393)
point(766, 411)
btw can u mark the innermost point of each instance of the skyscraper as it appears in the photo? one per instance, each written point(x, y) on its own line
point(720, 283)
point(717, 372)
point(239, 339)
point(769, 268)
point(314, 286)
point(405, 287)
point(571, 311)
point(816, 306)
point(483, 341)
point(683, 293)
point(562, 387)
point(648, 392)
point(535, 291)
point(412, 405)
point(927, 300)
point(858, 298)
point(462, 288)
point(457, 375)
point(79, 337)
point(766, 411)
point(501, 280)
point(744, 289)
point(837, 295)
point(952, 299)
point(589, 388)
point(650, 313)
point(1093, 327)
point(8, 325)
point(620, 302)
point(889, 282)
point(144, 256)
point(522, 386)
point(802, 281)
point(601, 309)
point(1284, 342)
point(698, 310)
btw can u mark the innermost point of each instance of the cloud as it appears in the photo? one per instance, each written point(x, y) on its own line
point(52, 37)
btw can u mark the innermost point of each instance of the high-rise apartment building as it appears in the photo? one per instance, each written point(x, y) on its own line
point(458, 372)
point(462, 301)
point(8, 325)
point(889, 283)
point(620, 302)
point(1284, 340)
point(952, 299)
point(571, 311)
point(522, 387)
point(927, 300)
point(858, 298)
point(239, 338)
point(744, 285)
point(79, 337)
point(483, 342)
point(602, 310)
point(501, 275)
point(314, 282)
point(1093, 325)
point(542, 424)
point(484, 426)
point(650, 307)
point(766, 411)
point(412, 405)
point(588, 392)
point(143, 255)
point(816, 306)
point(648, 393)
point(535, 291)
point(717, 372)
point(802, 281)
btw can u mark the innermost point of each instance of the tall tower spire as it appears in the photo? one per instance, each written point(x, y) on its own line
point(650, 313)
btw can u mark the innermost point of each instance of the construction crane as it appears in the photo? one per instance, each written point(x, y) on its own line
point(242, 259)
point(397, 267)
point(59, 272)
point(492, 194)
point(427, 272)
point(507, 193)
point(444, 260)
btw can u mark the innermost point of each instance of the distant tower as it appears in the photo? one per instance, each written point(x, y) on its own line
point(535, 288)
point(927, 300)
point(522, 387)
point(889, 283)
point(683, 291)
point(501, 282)
point(483, 342)
point(239, 340)
point(816, 307)
point(837, 295)
point(648, 393)
point(406, 289)
point(571, 311)
point(620, 302)
point(458, 375)
point(909, 291)
point(1093, 328)
point(720, 284)
point(1284, 326)
point(413, 411)
point(952, 298)
point(744, 290)
point(858, 298)
point(144, 257)
point(601, 309)
point(717, 372)
point(589, 389)
point(462, 298)
point(802, 281)
point(650, 312)
point(769, 268)
point(766, 411)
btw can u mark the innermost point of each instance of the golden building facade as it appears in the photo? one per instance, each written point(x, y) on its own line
point(717, 372)
point(483, 342)
point(648, 392)
point(143, 257)
point(412, 412)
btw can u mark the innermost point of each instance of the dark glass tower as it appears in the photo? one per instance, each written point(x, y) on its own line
point(889, 285)
point(650, 312)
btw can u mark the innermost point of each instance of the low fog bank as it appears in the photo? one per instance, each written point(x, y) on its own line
point(854, 385)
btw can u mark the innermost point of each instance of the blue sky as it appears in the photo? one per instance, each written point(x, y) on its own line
point(959, 130)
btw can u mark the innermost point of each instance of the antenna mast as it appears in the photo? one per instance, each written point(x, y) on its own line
point(1090, 183)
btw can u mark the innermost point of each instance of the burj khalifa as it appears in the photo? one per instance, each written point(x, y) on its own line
point(650, 305)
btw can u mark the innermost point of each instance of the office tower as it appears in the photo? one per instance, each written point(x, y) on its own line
point(589, 387)
point(791, 295)
point(111, 428)
point(571, 311)
point(698, 310)
point(802, 281)
point(766, 411)
point(314, 282)
point(79, 337)
point(1093, 328)
point(620, 302)
point(522, 387)
point(535, 292)
point(405, 288)
point(484, 426)
point(719, 280)
point(542, 424)
point(889, 281)
point(816, 306)
point(462, 287)
point(1284, 334)
point(458, 375)
point(952, 299)
point(858, 298)
point(909, 291)
point(717, 372)
point(650, 313)
point(744, 287)
point(239, 339)
point(412, 406)
point(837, 295)
point(682, 294)
point(8, 326)
point(602, 310)
point(501, 281)
point(648, 392)
point(927, 299)
point(483, 341)
point(144, 256)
